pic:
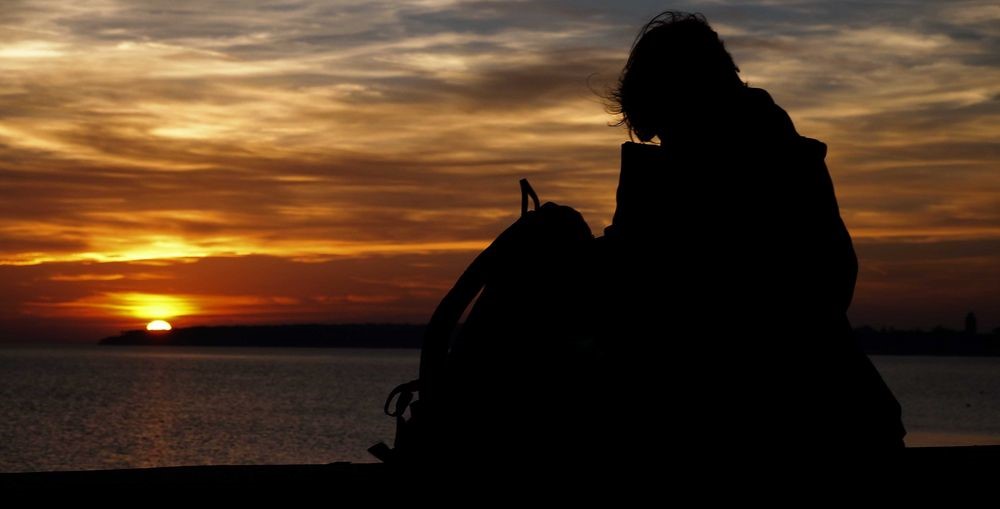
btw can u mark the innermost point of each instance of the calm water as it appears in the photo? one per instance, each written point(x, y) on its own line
point(946, 400)
point(71, 408)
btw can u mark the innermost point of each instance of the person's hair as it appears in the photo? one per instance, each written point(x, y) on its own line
point(676, 58)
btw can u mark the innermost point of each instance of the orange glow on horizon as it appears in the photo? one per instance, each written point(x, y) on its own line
point(144, 305)
point(296, 249)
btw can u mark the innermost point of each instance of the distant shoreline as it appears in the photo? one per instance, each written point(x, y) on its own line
point(363, 335)
point(938, 342)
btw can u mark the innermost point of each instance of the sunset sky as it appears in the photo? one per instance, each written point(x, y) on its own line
point(221, 162)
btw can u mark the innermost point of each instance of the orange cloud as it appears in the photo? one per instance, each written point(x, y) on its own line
point(394, 133)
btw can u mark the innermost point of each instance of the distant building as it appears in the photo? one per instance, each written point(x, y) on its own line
point(970, 323)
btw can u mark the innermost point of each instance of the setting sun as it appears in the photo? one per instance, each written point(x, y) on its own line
point(158, 325)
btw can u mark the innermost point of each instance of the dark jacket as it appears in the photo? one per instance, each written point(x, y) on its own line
point(731, 275)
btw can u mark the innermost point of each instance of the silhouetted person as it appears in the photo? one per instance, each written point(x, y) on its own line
point(729, 269)
point(710, 319)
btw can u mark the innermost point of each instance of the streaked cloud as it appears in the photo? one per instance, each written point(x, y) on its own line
point(315, 131)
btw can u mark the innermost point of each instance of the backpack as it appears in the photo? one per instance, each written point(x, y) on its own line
point(488, 390)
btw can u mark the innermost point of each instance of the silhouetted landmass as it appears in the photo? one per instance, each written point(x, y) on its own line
point(365, 335)
point(938, 341)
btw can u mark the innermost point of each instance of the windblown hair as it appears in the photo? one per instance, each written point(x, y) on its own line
point(676, 61)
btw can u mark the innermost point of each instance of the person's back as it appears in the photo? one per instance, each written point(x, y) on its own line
point(730, 270)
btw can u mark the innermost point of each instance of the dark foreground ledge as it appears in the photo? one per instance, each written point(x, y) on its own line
point(334, 474)
point(330, 474)
point(362, 476)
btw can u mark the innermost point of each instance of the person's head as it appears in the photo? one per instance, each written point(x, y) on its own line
point(677, 66)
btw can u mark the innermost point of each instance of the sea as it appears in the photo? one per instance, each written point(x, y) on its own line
point(102, 407)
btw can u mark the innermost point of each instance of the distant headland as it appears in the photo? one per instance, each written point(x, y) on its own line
point(358, 335)
point(938, 341)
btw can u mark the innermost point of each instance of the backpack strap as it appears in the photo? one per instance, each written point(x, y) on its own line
point(437, 336)
point(437, 339)
point(527, 191)
point(405, 393)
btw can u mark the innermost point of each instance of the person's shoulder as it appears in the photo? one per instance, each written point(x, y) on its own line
point(758, 94)
point(812, 146)
point(763, 107)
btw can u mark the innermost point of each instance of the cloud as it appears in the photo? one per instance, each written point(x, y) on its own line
point(312, 130)
point(86, 277)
